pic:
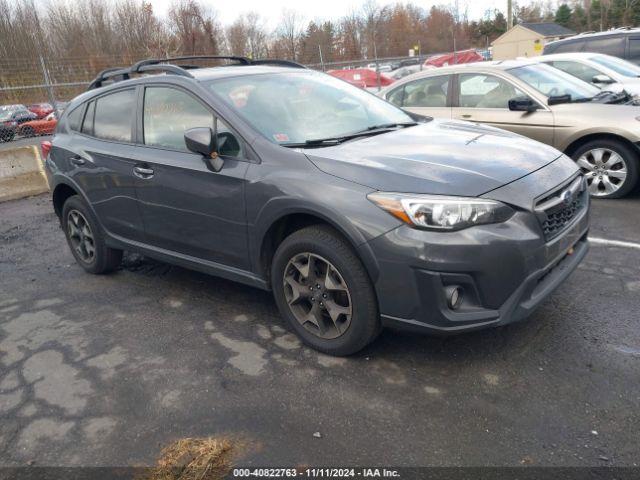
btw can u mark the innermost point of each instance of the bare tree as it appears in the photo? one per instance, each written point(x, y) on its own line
point(289, 31)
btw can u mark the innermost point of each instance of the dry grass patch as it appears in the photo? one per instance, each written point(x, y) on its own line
point(195, 459)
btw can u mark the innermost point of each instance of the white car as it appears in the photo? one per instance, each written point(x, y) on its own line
point(604, 71)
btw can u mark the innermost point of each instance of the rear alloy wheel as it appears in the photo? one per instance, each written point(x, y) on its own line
point(324, 292)
point(610, 167)
point(85, 240)
point(80, 236)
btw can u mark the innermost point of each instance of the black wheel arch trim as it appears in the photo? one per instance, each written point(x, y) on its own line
point(272, 213)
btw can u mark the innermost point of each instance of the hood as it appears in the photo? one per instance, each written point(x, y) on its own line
point(440, 157)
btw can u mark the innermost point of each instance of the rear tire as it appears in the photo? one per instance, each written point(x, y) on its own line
point(338, 314)
point(85, 238)
point(610, 166)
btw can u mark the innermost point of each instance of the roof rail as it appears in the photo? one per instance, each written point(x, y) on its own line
point(166, 65)
point(282, 63)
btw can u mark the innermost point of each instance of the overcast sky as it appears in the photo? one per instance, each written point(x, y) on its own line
point(228, 10)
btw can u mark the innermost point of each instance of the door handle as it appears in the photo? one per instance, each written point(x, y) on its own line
point(78, 160)
point(466, 115)
point(143, 172)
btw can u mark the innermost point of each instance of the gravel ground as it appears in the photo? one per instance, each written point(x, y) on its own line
point(106, 370)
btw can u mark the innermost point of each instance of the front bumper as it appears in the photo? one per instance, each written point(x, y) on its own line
point(505, 270)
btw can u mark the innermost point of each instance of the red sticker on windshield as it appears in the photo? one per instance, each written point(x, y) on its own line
point(281, 137)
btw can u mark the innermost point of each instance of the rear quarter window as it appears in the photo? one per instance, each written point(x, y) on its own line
point(74, 118)
point(568, 46)
point(613, 45)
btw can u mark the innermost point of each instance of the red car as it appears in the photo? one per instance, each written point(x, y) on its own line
point(44, 126)
point(461, 56)
point(41, 109)
point(362, 77)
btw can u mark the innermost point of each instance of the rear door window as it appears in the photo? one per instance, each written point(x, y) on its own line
point(113, 116)
point(427, 92)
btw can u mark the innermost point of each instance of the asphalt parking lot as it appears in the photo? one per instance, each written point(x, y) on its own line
point(106, 370)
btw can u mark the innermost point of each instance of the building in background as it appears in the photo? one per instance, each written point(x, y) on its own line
point(527, 39)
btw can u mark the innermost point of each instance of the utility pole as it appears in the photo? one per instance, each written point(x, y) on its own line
point(509, 14)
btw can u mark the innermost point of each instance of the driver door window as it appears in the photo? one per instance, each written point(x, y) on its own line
point(486, 91)
point(169, 112)
point(485, 99)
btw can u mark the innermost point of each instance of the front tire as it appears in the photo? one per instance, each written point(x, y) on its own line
point(610, 167)
point(85, 239)
point(323, 291)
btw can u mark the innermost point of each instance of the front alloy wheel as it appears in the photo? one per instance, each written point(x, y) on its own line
point(317, 295)
point(604, 169)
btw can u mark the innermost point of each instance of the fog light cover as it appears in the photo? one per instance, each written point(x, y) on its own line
point(454, 295)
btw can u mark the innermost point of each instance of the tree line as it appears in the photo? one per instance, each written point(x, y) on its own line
point(76, 39)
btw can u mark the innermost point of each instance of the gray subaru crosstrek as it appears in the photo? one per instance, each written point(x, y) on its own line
point(355, 213)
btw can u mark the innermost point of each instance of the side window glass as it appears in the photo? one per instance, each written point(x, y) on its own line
point(634, 48)
point(168, 113)
point(113, 116)
point(583, 72)
point(228, 143)
point(486, 91)
point(74, 118)
point(395, 97)
point(610, 45)
point(87, 123)
point(427, 92)
point(571, 46)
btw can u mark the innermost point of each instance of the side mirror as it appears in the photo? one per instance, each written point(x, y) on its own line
point(522, 104)
point(202, 140)
point(602, 79)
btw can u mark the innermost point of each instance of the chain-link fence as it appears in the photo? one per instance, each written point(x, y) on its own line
point(33, 92)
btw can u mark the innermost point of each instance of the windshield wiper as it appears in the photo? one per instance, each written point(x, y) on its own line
point(372, 130)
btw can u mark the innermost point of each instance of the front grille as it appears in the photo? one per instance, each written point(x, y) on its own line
point(557, 209)
point(556, 221)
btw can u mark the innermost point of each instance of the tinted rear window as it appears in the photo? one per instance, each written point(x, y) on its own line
point(569, 46)
point(609, 45)
point(113, 116)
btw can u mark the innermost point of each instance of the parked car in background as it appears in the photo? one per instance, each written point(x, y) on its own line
point(622, 43)
point(540, 102)
point(362, 77)
point(40, 109)
point(453, 58)
point(604, 71)
point(287, 179)
point(404, 71)
point(18, 113)
point(7, 126)
point(44, 126)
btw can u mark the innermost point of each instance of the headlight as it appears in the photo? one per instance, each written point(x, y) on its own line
point(437, 212)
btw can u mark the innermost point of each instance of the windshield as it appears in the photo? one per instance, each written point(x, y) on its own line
point(554, 83)
point(5, 115)
point(618, 65)
point(298, 107)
